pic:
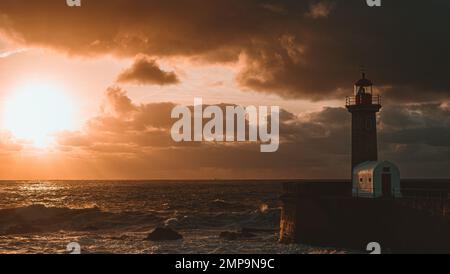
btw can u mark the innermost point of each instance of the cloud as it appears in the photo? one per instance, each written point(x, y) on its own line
point(7, 53)
point(274, 7)
point(320, 10)
point(126, 131)
point(8, 144)
point(417, 124)
point(311, 145)
point(282, 51)
point(277, 50)
point(119, 101)
point(146, 71)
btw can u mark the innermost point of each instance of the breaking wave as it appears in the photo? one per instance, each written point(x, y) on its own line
point(41, 219)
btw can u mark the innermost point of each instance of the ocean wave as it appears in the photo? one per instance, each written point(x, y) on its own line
point(39, 218)
point(219, 204)
point(269, 219)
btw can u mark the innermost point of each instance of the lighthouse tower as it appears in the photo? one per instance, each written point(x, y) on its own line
point(363, 106)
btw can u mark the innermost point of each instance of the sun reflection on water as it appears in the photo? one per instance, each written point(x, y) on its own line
point(40, 186)
point(41, 192)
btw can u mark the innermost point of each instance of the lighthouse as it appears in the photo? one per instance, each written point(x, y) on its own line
point(363, 106)
point(370, 178)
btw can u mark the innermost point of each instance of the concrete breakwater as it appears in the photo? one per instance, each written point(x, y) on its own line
point(324, 213)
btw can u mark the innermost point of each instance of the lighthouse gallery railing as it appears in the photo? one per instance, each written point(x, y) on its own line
point(355, 100)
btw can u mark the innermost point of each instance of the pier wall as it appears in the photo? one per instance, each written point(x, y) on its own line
point(325, 214)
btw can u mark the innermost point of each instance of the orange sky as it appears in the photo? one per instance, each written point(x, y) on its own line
point(84, 82)
point(84, 96)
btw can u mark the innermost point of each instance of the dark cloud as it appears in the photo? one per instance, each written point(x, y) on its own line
point(125, 130)
point(307, 49)
point(146, 71)
point(320, 9)
point(119, 101)
point(417, 124)
point(310, 146)
point(417, 137)
point(404, 44)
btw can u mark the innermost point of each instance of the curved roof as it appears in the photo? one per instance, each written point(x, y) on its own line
point(370, 166)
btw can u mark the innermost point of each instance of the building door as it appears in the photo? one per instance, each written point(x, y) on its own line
point(386, 185)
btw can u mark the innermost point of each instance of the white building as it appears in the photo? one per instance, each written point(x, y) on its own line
point(373, 179)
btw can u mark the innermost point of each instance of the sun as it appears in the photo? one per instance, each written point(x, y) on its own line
point(35, 112)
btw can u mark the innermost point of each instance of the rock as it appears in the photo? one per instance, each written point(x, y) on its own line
point(232, 236)
point(163, 234)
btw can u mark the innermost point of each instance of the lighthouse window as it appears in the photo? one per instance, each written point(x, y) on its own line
point(370, 180)
point(361, 180)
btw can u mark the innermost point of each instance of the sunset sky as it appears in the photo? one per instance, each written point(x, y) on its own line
point(86, 93)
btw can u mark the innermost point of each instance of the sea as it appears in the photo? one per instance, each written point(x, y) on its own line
point(110, 217)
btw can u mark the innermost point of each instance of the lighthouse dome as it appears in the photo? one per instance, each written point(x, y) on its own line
point(363, 82)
